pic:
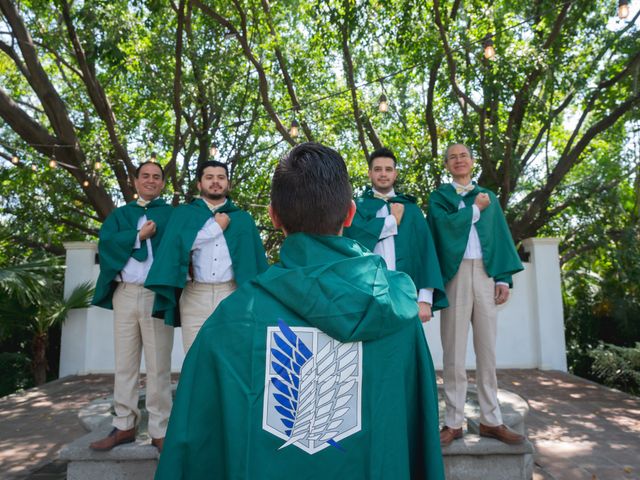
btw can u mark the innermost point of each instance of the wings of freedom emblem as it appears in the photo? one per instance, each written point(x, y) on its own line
point(313, 384)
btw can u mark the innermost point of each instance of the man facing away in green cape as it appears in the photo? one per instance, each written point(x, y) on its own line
point(478, 258)
point(393, 226)
point(318, 368)
point(211, 247)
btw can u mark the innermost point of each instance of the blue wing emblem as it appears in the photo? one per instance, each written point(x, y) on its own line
point(312, 392)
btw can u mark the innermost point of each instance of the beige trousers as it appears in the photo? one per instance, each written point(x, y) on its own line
point(197, 302)
point(136, 330)
point(471, 302)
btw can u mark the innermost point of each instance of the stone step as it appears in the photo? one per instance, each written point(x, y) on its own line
point(470, 458)
point(132, 461)
point(477, 458)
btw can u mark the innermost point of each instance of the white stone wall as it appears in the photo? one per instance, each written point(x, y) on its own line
point(530, 325)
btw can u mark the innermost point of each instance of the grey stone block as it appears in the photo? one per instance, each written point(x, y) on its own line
point(476, 458)
point(131, 461)
point(130, 470)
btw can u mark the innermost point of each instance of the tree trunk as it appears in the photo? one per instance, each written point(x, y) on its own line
point(39, 362)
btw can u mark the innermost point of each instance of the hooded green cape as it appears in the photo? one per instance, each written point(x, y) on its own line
point(330, 283)
point(451, 227)
point(117, 238)
point(415, 251)
point(168, 273)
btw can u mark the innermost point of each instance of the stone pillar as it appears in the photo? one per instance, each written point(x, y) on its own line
point(547, 297)
point(75, 342)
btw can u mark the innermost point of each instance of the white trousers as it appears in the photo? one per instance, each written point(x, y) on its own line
point(471, 298)
point(136, 330)
point(197, 302)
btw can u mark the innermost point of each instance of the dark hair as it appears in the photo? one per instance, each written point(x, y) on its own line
point(148, 162)
point(310, 190)
point(382, 152)
point(210, 163)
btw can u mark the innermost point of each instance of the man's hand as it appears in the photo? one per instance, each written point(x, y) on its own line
point(424, 311)
point(502, 294)
point(397, 210)
point(223, 220)
point(482, 201)
point(148, 230)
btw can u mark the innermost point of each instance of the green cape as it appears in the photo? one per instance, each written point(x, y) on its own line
point(451, 227)
point(333, 284)
point(168, 273)
point(415, 251)
point(117, 238)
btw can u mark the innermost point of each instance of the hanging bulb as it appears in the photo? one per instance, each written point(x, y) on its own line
point(33, 167)
point(383, 103)
point(135, 196)
point(97, 165)
point(294, 131)
point(154, 157)
point(623, 9)
point(489, 50)
point(15, 160)
point(53, 163)
point(213, 151)
point(85, 184)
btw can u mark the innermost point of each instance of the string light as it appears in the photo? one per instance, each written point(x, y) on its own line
point(53, 163)
point(33, 167)
point(97, 165)
point(213, 151)
point(135, 196)
point(85, 184)
point(383, 104)
point(154, 157)
point(489, 50)
point(623, 9)
point(294, 131)
point(15, 160)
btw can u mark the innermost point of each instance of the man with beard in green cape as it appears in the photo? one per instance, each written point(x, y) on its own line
point(393, 226)
point(212, 244)
point(318, 368)
point(478, 258)
point(129, 240)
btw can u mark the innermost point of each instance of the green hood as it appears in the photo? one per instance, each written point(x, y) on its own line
point(340, 288)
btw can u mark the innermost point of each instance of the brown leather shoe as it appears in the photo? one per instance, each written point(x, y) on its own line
point(502, 433)
point(448, 435)
point(158, 443)
point(116, 437)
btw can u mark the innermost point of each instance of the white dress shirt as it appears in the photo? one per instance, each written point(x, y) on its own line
point(474, 248)
point(135, 271)
point(210, 255)
point(386, 246)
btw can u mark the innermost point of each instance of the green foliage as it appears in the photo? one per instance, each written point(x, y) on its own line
point(15, 372)
point(617, 367)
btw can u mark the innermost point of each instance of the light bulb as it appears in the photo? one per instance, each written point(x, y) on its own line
point(383, 104)
point(97, 165)
point(623, 9)
point(85, 184)
point(15, 160)
point(295, 128)
point(489, 50)
point(53, 163)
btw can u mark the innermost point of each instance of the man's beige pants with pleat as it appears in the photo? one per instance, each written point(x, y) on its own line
point(136, 330)
point(471, 303)
point(197, 303)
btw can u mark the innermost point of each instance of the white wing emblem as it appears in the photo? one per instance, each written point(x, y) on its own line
point(312, 387)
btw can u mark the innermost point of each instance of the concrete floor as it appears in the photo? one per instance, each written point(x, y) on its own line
point(581, 430)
